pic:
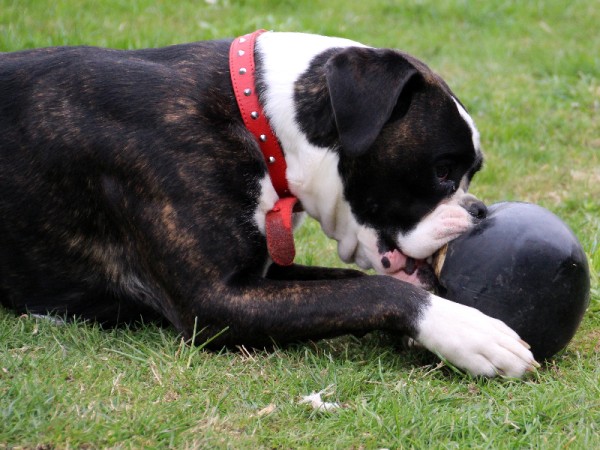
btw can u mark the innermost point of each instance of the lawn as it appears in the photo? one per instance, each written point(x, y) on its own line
point(528, 71)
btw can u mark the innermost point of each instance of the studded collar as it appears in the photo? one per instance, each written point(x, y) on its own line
point(278, 223)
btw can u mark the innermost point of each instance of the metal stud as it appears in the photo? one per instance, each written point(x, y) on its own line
point(263, 138)
point(271, 159)
point(254, 115)
point(241, 52)
point(242, 71)
point(247, 92)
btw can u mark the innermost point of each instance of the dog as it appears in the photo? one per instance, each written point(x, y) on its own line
point(131, 188)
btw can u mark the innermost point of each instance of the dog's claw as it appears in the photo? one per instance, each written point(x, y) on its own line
point(525, 344)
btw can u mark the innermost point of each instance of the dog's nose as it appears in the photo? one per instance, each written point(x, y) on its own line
point(474, 206)
point(477, 209)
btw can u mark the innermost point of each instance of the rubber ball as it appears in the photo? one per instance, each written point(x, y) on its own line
point(523, 265)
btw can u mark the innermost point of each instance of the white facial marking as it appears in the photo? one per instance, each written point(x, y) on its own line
point(473, 341)
point(467, 118)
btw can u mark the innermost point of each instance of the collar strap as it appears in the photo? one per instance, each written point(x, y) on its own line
point(241, 65)
point(278, 221)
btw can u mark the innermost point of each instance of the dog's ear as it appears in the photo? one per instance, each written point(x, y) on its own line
point(364, 87)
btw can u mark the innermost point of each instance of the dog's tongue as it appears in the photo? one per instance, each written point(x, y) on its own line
point(400, 266)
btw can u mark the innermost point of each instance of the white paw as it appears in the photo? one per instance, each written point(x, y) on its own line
point(473, 341)
point(444, 223)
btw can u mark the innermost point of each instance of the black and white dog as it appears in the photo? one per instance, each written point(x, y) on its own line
point(130, 187)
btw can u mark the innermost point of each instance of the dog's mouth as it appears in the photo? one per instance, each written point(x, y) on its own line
point(415, 271)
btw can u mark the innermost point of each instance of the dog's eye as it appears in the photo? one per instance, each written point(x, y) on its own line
point(442, 171)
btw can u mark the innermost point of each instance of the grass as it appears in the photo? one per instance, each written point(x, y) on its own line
point(530, 74)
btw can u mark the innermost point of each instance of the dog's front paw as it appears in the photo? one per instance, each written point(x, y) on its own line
point(473, 341)
point(444, 223)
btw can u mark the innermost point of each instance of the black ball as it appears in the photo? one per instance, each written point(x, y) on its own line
point(524, 266)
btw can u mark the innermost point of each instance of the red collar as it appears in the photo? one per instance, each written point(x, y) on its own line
point(278, 223)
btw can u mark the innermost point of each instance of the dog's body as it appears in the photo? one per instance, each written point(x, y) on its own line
point(130, 187)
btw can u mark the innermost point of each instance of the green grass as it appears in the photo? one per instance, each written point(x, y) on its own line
point(530, 74)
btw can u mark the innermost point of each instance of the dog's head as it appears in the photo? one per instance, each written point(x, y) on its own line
point(407, 152)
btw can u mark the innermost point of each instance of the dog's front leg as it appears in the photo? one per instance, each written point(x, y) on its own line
point(274, 311)
point(263, 311)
